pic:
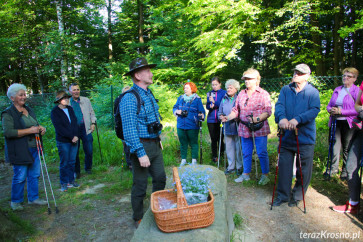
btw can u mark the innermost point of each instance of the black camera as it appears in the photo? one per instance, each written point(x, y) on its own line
point(184, 113)
point(154, 128)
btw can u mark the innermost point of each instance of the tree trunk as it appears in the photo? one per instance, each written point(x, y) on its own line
point(317, 45)
point(338, 23)
point(109, 33)
point(61, 35)
point(141, 27)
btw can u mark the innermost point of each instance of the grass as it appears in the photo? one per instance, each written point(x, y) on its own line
point(237, 220)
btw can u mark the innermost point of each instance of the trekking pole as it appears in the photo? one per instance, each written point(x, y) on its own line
point(254, 144)
point(301, 175)
point(99, 144)
point(360, 180)
point(200, 122)
point(220, 143)
point(331, 144)
point(225, 152)
point(280, 134)
point(40, 148)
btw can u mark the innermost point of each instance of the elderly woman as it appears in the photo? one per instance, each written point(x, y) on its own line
point(66, 130)
point(341, 109)
point(189, 110)
point(353, 164)
point(20, 127)
point(233, 145)
point(214, 99)
point(256, 101)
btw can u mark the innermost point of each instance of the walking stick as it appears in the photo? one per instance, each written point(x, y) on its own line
point(99, 144)
point(254, 144)
point(225, 152)
point(220, 142)
point(331, 145)
point(200, 122)
point(280, 134)
point(42, 159)
point(301, 175)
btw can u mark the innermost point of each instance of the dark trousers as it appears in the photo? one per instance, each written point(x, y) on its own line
point(140, 175)
point(353, 165)
point(87, 144)
point(214, 132)
point(343, 136)
point(286, 163)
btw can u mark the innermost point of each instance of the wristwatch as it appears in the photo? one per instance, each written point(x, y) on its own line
point(258, 119)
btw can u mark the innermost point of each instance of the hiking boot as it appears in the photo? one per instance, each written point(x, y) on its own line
point(242, 178)
point(73, 185)
point(329, 174)
point(347, 208)
point(64, 187)
point(16, 206)
point(277, 202)
point(293, 202)
point(38, 202)
point(264, 180)
point(183, 163)
point(227, 172)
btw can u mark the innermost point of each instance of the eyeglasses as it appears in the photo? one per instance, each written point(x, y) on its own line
point(246, 101)
point(349, 76)
point(298, 73)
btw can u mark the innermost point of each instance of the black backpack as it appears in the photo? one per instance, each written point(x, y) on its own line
point(116, 111)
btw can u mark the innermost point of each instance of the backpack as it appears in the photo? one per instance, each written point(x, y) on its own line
point(116, 111)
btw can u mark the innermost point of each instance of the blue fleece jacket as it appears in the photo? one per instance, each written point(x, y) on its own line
point(213, 112)
point(64, 130)
point(193, 108)
point(303, 106)
point(225, 108)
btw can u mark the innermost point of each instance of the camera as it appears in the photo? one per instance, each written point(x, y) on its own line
point(184, 113)
point(154, 127)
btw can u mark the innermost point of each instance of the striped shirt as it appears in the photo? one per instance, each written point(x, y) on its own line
point(135, 126)
point(259, 102)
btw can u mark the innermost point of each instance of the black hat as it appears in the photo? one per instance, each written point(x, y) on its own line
point(60, 95)
point(138, 63)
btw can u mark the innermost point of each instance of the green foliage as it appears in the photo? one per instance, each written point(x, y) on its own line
point(237, 220)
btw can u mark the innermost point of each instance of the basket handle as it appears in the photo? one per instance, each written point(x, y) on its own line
point(181, 201)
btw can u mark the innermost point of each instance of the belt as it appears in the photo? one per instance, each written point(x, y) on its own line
point(150, 139)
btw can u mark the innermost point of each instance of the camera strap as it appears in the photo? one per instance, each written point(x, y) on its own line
point(152, 102)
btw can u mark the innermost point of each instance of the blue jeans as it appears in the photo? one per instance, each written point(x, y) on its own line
point(87, 143)
point(261, 149)
point(23, 172)
point(67, 155)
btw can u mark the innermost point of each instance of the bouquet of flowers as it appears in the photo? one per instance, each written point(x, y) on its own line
point(195, 184)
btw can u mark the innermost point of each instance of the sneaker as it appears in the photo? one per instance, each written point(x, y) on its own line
point(347, 208)
point(194, 162)
point(264, 180)
point(16, 206)
point(64, 187)
point(38, 202)
point(242, 178)
point(73, 185)
point(293, 202)
point(227, 172)
point(183, 163)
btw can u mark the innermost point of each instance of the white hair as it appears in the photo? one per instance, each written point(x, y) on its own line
point(14, 89)
point(233, 83)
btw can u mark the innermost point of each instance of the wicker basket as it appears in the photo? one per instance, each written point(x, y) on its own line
point(183, 217)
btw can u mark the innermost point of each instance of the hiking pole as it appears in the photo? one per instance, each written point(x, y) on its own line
point(254, 144)
point(220, 142)
point(301, 175)
point(360, 179)
point(280, 133)
point(200, 122)
point(39, 147)
point(225, 152)
point(99, 144)
point(331, 144)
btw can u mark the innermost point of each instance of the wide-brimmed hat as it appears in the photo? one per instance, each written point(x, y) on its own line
point(138, 63)
point(60, 95)
point(303, 68)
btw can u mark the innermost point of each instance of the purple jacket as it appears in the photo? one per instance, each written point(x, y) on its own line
point(348, 103)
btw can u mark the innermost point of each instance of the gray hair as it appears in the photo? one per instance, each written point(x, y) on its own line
point(14, 89)
point(233, 83)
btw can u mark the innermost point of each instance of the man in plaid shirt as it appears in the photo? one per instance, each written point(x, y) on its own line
point(253, 101)
point(141, 132)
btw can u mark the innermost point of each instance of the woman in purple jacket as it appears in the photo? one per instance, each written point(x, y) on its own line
point(341, 107)
point(214, 98)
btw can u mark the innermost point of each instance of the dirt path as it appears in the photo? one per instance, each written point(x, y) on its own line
point(96, 219)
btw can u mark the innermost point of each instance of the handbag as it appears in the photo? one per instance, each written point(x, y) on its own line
point(253, 126)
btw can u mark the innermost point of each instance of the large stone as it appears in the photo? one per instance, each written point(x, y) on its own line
point(220, 230)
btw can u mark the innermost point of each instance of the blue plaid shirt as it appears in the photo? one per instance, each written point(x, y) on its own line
point(135, 126)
